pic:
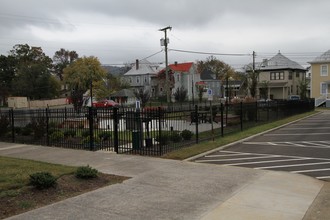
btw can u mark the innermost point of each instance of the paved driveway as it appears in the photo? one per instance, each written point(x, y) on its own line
point(302, 147)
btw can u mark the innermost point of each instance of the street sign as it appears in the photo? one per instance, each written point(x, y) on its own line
point(209, 95)
point(137, 104)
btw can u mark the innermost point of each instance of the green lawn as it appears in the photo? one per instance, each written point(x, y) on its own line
point(196, 149)
point(15, 172)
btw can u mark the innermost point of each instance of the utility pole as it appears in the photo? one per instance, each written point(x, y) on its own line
point(254, 61)
point(167, 83)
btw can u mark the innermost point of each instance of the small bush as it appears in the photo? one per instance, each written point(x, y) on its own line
point(163, 139)
point(186, 134)
point(18, 130)
point(86, 140)
point(176, 137)
point(56, 136)
point(69, 133)
point(85, 133)
point(86, 172)
point(42, 180)
point(4, 124)
point(105, 135)
point(27, 130)
point(39, 127)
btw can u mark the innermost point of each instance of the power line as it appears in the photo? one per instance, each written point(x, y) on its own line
point(210, 53)
point(154, 54)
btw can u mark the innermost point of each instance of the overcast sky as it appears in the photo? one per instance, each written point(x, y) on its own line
point(120, 31)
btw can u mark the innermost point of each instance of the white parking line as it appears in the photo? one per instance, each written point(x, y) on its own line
point(323, 177)
point(297, 134)
point(316, 144)
point(266, 161)
point(227, 155)
point(298, 128)
point(288, 144)
point(292, 165)
point(306, 171)
point(316, 158)
point(243, 158)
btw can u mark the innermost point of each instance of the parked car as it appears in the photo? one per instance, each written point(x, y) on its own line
point(105, 103)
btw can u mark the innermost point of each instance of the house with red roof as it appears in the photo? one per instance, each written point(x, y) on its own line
point(180, 75)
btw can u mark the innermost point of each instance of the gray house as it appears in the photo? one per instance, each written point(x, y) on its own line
point(281, 75)
point(141, 74)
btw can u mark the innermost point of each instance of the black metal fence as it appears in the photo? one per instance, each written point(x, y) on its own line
point(150, 131)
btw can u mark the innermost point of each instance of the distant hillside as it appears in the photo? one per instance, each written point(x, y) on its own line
point(116, 70)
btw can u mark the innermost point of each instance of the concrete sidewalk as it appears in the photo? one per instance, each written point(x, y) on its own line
point(169, 189)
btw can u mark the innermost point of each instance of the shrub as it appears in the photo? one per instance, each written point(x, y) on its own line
point(163, 139)
point(186, 134)
point(176, 137)
point(18, 130)
point(86, 140)
point(42, 180)
point(105, 135)
point(39, 127)
point(56, 136)
point(86, 172)
point(27, 130)
point(4, 124)
point(85, 133)
point(69, 133)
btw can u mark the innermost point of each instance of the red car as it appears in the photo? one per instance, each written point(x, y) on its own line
point(105, 103)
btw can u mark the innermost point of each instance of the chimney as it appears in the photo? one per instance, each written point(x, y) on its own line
point(137, 64)
point(264, 63)
point(175, 63)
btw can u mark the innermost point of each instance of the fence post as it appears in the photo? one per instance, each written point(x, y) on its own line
point(115, 129)
point(47, 127)
point(256, 111)
point(241, 115)
point(91, 128)
point(221, 110)
point(160, 132)
point(197, 121)
point(11, 114)
point(268, 106)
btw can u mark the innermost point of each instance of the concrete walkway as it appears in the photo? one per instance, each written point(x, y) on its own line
point(169, 189)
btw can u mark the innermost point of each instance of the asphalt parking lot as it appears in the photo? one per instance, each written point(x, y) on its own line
point(302, 147)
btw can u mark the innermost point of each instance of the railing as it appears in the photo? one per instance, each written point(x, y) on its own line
point(320, 100)
point(151, 131)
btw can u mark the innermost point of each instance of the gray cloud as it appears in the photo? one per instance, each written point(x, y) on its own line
point(227, 26)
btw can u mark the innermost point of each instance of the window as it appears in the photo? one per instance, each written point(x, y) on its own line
point(137, 79)
point(130, 80)
point(178, 78)
point(297, 74)
point(161, 89)
point(290, 75)
point(145, 79)
point(276, 75)
point(324, 70)
point(324, 88)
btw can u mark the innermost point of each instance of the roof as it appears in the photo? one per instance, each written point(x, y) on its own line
point(279, 61)
point(207, 75)
point(181, 67)
point(144, 67)
point(324, 58)
point(178, 67)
